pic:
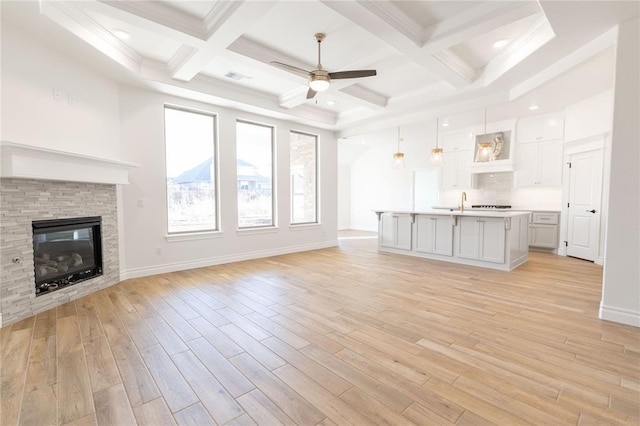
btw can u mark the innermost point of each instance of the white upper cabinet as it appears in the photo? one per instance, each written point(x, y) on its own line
point(456, 169)
point(539, 164)
point(539, 151)
point(457, 140)
point(542, 128)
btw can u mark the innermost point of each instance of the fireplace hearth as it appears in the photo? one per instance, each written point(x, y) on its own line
point(66, 252)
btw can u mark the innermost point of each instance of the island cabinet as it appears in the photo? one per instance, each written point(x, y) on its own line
point(434, 234)
point(395, 230)
point(496, 240)
point(481, 238)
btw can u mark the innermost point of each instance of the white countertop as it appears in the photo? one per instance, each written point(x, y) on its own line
point(470, 212)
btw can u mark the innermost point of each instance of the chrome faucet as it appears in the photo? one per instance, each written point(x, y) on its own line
point(464, 198)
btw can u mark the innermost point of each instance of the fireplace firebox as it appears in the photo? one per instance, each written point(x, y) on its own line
point(66, 252)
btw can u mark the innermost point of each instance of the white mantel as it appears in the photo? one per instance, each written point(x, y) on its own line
point(31, 162)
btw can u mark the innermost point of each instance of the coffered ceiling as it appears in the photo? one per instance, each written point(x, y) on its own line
point(431, 57)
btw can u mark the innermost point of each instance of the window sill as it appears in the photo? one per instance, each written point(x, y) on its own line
point(305, 226)
point(192, 236)
point(254, 231)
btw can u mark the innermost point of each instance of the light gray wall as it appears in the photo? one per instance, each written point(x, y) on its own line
point(145, 229)
point(621, 289)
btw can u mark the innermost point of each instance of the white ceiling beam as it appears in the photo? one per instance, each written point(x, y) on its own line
point(587, 51)
point(521, 48)
point(380, 23)
point(154, 17)
point(226, 22)
point(475, 21)
point(359, 93)
point(75, 20)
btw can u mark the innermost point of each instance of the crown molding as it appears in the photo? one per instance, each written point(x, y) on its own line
point(373, 100)
point(456, 64)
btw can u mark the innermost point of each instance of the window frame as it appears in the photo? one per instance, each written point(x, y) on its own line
point(199, 233)
point(316, 177)
point(273, 225)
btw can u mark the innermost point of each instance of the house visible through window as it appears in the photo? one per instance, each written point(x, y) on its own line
point(304, 187)
point(254, 149)
point(190, 170)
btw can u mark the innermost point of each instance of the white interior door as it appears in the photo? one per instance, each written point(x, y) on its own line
point(585, 192)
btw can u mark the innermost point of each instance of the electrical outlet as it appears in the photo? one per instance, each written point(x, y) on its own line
point(158, 251)
point(140, 202)
point(57, 95)
point(71, 100)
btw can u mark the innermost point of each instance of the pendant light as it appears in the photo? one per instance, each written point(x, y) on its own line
point(398, 157)
point(485, 149)
point(436, 153)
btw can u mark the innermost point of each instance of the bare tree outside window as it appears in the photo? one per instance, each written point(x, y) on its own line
point(190, 170)
point(254, 150)
point(303, 153)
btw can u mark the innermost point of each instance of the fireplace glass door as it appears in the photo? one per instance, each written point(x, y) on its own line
point(66, 251)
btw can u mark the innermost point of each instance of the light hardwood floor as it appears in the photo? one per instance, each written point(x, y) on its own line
point(338, 336)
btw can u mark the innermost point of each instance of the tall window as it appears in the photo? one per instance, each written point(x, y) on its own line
point(304, 187)
point(254, 147)
point(191, 170)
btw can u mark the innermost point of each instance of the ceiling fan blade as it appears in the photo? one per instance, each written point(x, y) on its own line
point(311, 93)
point(291, 68)
point(352, 74)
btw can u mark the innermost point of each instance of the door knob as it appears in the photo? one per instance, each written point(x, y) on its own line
point(591, 211)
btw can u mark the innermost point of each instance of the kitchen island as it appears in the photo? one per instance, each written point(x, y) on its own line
point(489, 239)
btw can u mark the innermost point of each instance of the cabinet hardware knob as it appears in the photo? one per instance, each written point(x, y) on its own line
point(591, 211)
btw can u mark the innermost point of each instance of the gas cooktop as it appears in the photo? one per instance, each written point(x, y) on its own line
point(490, 206)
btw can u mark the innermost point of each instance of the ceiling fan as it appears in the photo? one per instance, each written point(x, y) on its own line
point(319, 79)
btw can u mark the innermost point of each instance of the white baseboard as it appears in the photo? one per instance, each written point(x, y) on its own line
point(219, 260)
point(599, 261)
point(621, 315)
point(0, 319)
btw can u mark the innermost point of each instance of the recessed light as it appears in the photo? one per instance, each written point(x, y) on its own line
point(499, 44)
point(331, 102)
point(534, 107)
point(121, 34)
point(445, 124)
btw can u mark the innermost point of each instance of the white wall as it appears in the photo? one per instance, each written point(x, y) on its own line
point(145, 229)
point(375, 184)
point(621, 287)
point(344, 197)
point(30, 115)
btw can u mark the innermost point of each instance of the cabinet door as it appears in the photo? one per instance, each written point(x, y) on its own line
point(403, 232)
point(528, 130)
point(449, 170)
point(550, 163)
point(492, 239)
point(443, 236)
point(552, 127)
point(468, 233)
point(387, 230)
point(543, 236)
point(456, 170)
point(425, 226)
point(457, 140)
point(526, 164)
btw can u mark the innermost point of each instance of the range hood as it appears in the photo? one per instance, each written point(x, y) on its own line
point(495, 166)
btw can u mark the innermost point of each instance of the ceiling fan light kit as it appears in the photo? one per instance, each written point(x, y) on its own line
point(320, 79)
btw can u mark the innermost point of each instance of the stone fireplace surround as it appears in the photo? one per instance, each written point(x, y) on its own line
point(76, 186)
point(23, 201)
